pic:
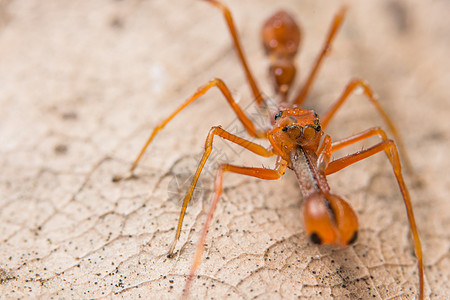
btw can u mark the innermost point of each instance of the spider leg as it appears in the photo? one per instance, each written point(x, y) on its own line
point(351, 87)
point(262, 173)
point(388, 146)
point(255, 148)
point(301, 96)
point(248, 124)
point(237, 45)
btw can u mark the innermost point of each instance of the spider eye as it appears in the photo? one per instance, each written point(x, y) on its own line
point(309, 132)
point(317, 124)
point(278, 115)
point(293, 131)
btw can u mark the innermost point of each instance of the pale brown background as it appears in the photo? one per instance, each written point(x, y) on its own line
point(83, 82)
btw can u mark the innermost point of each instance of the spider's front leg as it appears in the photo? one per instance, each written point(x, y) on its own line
point(389, 147)
point(262, 173)
point(255, 148)
point(368, 92)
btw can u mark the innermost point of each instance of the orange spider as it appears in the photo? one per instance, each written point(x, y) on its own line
point(298, 140)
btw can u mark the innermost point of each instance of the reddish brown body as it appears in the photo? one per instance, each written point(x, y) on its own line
point(297, 139)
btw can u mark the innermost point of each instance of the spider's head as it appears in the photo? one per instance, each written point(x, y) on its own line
point(298, 127)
